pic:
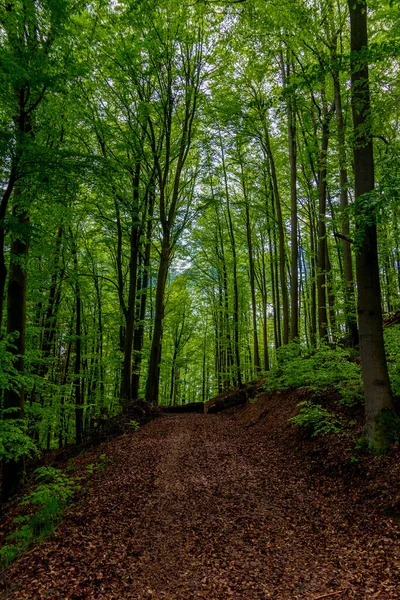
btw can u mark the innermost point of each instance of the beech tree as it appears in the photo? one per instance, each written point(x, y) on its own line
point(381, 420)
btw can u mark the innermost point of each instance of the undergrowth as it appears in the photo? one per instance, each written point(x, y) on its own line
point(15, 443)
point(325, 368)
point(392, 348)
point(316, 420)
point(46, 504)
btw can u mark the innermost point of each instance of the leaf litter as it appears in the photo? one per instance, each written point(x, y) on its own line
point(221, 506)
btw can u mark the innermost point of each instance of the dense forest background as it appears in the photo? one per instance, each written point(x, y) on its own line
point(178, 207)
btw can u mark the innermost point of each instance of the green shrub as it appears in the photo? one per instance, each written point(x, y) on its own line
point(14, 441)
point(317, 421)
point(392, 347)
point(325, 368)
point(48, 500)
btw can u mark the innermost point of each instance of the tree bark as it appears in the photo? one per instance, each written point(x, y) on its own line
point(78, 351)
point(237, 373)
point(321, 255)
point(294, 283)
point(252, 275)
point(351, 319)
point(3, 211)
point(281, 232)
point(381, 420)
point(139, 330)
point(153, 378)
point(13, 400)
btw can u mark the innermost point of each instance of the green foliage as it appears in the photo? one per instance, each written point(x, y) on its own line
point(9, 376)
point(134, 425)
point(14, 441)
point(392, 347)
point(325, 368)
point(47, 502)
point(52, 483)
point(100, 467)
point(316, 420)
point(103, 463)
point(387, 428)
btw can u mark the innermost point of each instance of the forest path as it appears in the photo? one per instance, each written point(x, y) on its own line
point(199, 506)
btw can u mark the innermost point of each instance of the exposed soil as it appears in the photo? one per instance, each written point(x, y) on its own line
point(222, 506)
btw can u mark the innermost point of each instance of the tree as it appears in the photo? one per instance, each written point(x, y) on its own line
point(171, 138)
point(381, 420)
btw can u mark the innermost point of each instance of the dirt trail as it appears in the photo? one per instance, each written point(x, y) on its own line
point(199, 506)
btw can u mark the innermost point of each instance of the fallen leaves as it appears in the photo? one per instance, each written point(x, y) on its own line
point(202, 507)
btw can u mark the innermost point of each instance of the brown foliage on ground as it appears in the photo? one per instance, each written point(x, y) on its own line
point(237, 505)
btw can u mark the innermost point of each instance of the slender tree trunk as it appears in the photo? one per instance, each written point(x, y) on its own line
point(100, 341)
point(322, 267)
point(139, 330)
point(252, 276)
point(204, 369)
point(238, 374)
point(222, 354)
point(351, 319)
point(172, 392)
point(63, 381)
point(330, 291)
point(294, 285)
point(313, 286)
point(281, 233)
point(126, 390)
point(53, 305)
point(274, 284)
point(130, 311)
point(264, 298)
point(381, 421)
point(78, 352)
point(3, 211)
point(152, 386)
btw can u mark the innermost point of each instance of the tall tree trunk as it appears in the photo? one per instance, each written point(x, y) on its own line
point(130, 310)
point(3, 211)
point(381, 421)
point(78, 351)
point(172, 392)
point(330, 291)
point(274, 283)
point(322, 191)
point(126, 383)
point(313, 286)
point(63, 380)
point(262, 284)
point(281, 232)
point(252, 276)
point(273, 261)
point(139, 330)
point(52, 305)
point(13, 401)
point(153, 378)
point(237, 374)
point(294, 283)
point(100, 340)
point(350, 308)
point(204, 369)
